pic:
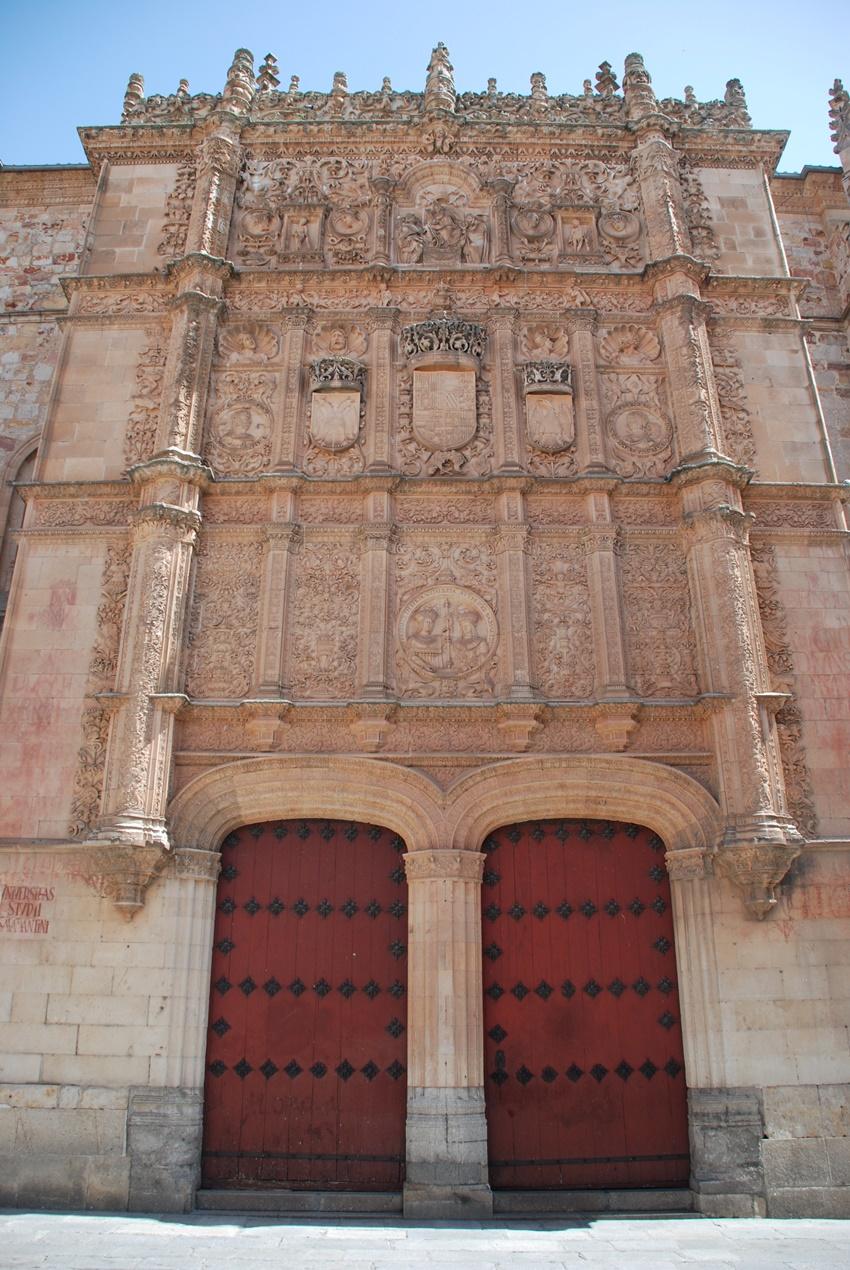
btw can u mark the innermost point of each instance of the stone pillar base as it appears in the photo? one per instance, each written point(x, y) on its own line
point(164, 1129)
point(424, 1201)
point(726, 1132)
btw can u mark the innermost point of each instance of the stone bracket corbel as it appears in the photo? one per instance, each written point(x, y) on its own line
point(122, 873)
point(615, 721)
point(373, 725)
point(518, 724)
point(756, 869)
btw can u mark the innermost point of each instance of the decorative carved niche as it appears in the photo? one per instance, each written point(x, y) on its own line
point(442, 218)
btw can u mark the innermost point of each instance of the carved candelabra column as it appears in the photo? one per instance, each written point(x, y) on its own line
point(446, 1127)
point(372, 640)
point(283, 538)
point(693, 392)
point(217, 169)
point(285, 439)
point(511, 554)
point(190, 351)
point(505, 408)
point(760, 841)
point(383, 187)
point(601, 542)
point(591, 442)
point(502, 222)
point(381, 395)
point(656, 166)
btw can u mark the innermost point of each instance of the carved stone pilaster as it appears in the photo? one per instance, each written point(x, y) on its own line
point(380, 402)
point(501, 222)
point(656, 166)
point(382, 225)
point(187, 372)
point(760, 837)
point(590, 436)
point(446, 1128)
point(219, 158)
point(511, 555)
point(693, 391)
point(285, 438)
point(601, 543)
point(372, 643)
point(505, 406)
point(282, 542)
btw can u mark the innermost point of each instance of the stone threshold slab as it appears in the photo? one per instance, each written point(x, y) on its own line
point(286, 1202)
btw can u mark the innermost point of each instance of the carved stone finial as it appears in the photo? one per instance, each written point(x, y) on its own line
point(183, 89)
point(267, 76)
point(135, 94)
point(386, 86)
point(491, 87)
point(340, 84)
point(239, 87)
point(294, 82)
point(736, 103)
point(839, 116)
point(606, 80)
point(440, 85)
point(587, 87)
point(539, 91)
point(690, 95)
point(637, 88)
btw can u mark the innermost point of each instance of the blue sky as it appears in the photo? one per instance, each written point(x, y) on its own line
point(67, 61)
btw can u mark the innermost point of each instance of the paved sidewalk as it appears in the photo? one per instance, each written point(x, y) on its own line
point(216, 1241)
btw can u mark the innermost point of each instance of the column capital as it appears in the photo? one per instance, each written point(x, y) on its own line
point(581, 320)
point(165, 520)
point(466, 866)
point(601, 537)
point(711, 523)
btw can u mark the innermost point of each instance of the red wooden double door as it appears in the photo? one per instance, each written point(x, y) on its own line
point(306, 1059)
point(306, 1054)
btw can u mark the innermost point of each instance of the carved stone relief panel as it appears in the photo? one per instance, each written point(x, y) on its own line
point(444, 408)
point(178, 211)
point(473, 458)
point(336, 417)
point(325, 608)
point(661, 643)
point(549, 418)
point(447, 628)
point(240, 422)
point(544, 341)
point(732, 397)
point(442, 218)
point(140, 439)
point(340, 339)
point(629, 345)
point(562, 628)
point(248, 343)
point(223, 618)
point(637, 422)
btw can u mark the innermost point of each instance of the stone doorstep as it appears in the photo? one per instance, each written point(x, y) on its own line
point(529, 1203)
point(284, 1202)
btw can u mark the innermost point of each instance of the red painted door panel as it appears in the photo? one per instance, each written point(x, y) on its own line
point(584, 1072)
point(305, 1083)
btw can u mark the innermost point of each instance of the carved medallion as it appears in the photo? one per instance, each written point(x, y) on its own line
point(619, 226)
point(444, 408)
point(447, 632)
point(639, 430)
point(550, 421)
point(335, 419)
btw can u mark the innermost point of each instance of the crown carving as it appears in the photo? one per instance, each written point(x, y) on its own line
point(443, 335)
point(547, 375)
point(336, 372)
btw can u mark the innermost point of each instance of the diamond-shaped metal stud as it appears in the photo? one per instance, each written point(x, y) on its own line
point(375, 832)
point(247, 985)
point(303, 830)
point(548, 1075)
point(321, 988)
point(251, 906)
point(641, 987)
point(564, 910)
point(517, 912)
point(396, 989)
point(222, 985)
point(513, 834)
point(574, 1073)
point(616, 987)
point(396, 909)
point(662, 944)
point(256, 831)
point(538, 833)
point(397, 876)
point(655, 843)
point(607, 831)
point(667, 1020)
point(495, 991)
point(656, 873)
point(519, 990)
point(272, 987)
point(398, 844)
point(373, 908)
point(493, 952)
point(665, 985)
point(489, 844)
point(318, 1070)
point(544, 990)
point(598, 1072)
point(395, 1027)
point(371, 989)
point(297, 987)
point(568, 989)
point(585, 832)
point(349, 908)
point(351, 832)
point(300, 907)
point(280, 831)
point(648, 1069)
point(370, 1071)
point(217, 1068)
point(499, 1076)
point(397, 949)
point(588, 908)
point(658, 905)
point(347, 989)
point(636, 907)
point(631, 831)
point(395, 1070)
point(540, 910)
point(276, 907)
point(524, 1075)
point(497, 1033)
point(562, 832)
point(232, 840)
point(592, 988)
point(268, 1069)
point(225, 945)
point(220, 1027)
point(324, 908)
point(491, 877)
point(612, 908)
point(624, 1070)
point(229, 872)
point(243, 1068)
point(492, 911)
point(344, 1070)
point(326, 832)
point(227, 905)
point(292, 1069)
point(672, 1068)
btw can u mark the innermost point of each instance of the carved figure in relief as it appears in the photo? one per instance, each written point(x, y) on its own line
point(637, 429)
point(577, 236)
point(540, 343)
point(340, 340)
point(411, 240)
point(251, 342)
point(447, 633)
point(240, 428)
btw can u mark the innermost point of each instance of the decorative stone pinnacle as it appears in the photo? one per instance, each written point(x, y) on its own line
point(340, 84)
point(736, 102)
point(294, 83)
point(539, 91)
point(606, 81)
point(267, 76)
point(183, 89)
point(491, 87)
point(239, 86)
point(440, 86)
point(839, 116)
point(637, 88)
point(135, 94)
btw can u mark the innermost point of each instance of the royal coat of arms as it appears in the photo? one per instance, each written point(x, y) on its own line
point(444, 408)
point(335, 418)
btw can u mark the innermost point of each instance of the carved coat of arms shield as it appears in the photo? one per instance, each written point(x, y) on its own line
point(550, 421)
point(444, 408)
point(335, 419)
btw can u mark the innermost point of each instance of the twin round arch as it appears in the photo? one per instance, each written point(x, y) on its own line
point(374, 791)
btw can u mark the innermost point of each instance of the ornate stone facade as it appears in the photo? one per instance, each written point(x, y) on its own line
point(435, 460)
